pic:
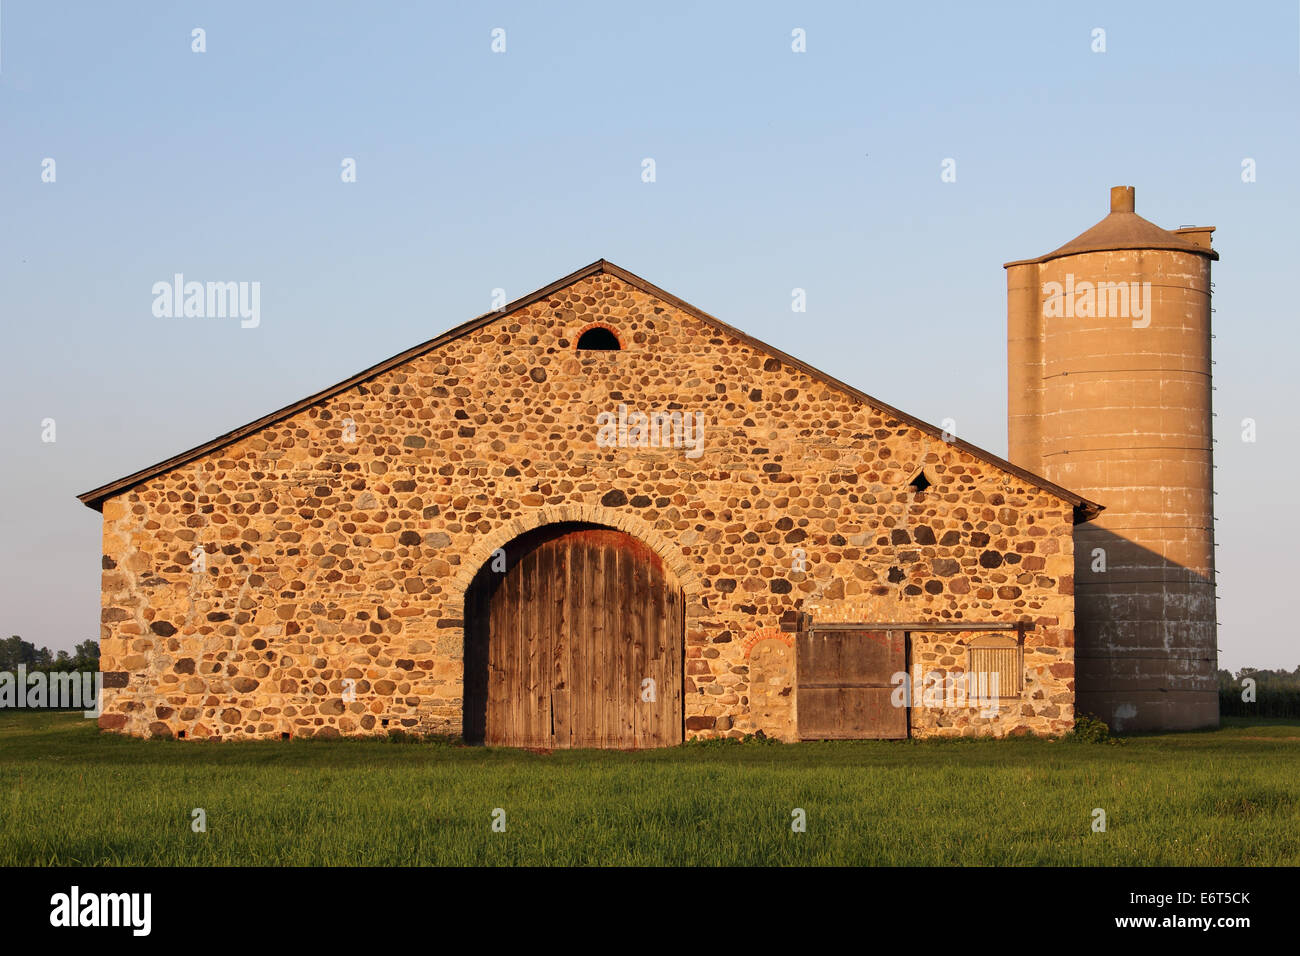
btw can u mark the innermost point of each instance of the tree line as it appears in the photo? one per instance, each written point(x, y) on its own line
point(1276, 693)
point(14, 651)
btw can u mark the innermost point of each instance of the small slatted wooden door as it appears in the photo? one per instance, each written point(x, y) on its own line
point(846, 687)
point(579, 622)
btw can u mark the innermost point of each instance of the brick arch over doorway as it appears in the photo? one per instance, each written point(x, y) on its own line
point(484, 547)
point(452, 611)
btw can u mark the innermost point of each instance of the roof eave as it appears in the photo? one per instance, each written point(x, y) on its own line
point(96, 497)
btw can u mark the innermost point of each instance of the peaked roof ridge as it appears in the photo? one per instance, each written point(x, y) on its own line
point(1084, 509)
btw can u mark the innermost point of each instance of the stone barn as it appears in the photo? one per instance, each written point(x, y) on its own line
point(598, 517)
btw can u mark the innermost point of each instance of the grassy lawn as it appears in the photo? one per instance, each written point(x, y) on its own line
point(71, 796)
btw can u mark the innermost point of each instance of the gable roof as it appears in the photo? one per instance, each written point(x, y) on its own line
point(95, 498)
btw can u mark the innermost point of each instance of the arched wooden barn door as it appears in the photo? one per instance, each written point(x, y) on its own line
point(577, 643)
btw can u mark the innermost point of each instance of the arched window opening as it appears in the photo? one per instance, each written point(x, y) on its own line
point(598, 339)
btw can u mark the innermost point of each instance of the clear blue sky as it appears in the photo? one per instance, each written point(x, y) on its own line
point(477, 170)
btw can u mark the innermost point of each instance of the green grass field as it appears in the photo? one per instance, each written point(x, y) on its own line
point(71, 796)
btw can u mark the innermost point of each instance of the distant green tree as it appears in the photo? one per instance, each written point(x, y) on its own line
point(85, 656)
point(15, 651)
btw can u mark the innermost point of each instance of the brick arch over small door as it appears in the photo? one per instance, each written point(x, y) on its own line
point(578, 642)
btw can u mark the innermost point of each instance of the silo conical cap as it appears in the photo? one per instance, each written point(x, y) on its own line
point(1122, 229)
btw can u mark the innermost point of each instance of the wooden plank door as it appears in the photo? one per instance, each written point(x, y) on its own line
point(559, 647)
point(520, 651)
point(845, 684)
point(630, 626)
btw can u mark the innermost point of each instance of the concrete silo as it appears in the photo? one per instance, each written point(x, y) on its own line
point(1108, 345)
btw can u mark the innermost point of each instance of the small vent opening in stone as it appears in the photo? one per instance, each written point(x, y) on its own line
point(598, 339)
point(180, 735)
point(919, 483)
point(284, 735)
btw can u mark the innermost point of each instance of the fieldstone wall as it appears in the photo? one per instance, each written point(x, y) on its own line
point(309, 579)
point(939, 660)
